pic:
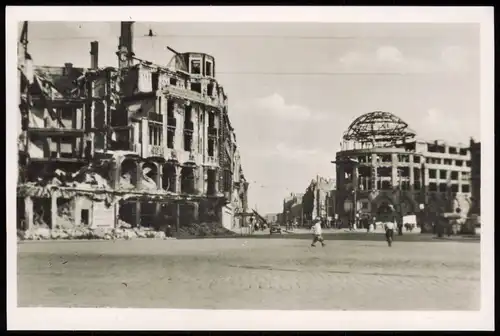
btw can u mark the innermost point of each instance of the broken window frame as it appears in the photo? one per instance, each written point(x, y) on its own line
point(192, 66)
point(209, 68)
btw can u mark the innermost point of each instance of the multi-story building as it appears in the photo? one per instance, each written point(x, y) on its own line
point(475, 150)
point(292, 209)
point(382, 162)
point(141, 143)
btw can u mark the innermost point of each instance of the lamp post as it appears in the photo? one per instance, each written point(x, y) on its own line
point(348, 161)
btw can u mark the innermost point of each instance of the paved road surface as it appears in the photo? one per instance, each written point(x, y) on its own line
point(250, 274)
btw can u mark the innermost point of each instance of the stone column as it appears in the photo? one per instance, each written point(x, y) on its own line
point(28, 212)
point(374, 171)
point(196, 211)
point(412, 174)
point(394, 166)
point(138, 175)
point(138, 214)
point(159, 176)
point(178, 169)
point(53, 211)
point(145, 137)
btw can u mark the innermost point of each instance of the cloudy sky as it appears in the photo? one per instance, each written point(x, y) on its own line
point(294, 88)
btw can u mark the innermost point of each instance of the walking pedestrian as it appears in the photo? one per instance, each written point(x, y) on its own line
point(317, 233)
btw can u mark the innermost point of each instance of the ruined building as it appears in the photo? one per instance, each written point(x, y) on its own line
point(139, 143)
point(382, 162)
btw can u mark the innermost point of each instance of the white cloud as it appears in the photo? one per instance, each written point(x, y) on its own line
point(437, 124)
point(275, 106)
point(392, 60)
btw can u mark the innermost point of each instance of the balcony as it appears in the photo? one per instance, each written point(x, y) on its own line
point(156, 151)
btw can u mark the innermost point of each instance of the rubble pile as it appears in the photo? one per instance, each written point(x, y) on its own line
point(40, 233)
point(203, 230)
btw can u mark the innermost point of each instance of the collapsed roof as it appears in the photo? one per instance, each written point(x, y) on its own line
point(381, 129)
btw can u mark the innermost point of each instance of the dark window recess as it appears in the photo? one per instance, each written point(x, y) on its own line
point(172, 122)
point(432, 173)
point(122, 141)
point(170, 138)
point(211, 147)
point(432, 187)
point(187, 114)
point(454, 188)
point(463, 151)
point(442, 174)
point(211, 120)
point(119, 117)
point(196, 87)
point(452, 150)
point(416, 159)
point(454, 175)
point(155, 76)
point(85, 217)
point(443, 187)
point(169, 179)
point(469, 163)
point(448, 162)
point(210, 89)
point(187, 180)
point(417, 185)
point(416, 174)
point(173, 81)
point(196, 67)
point(170, 109)
point(211, 182)
point(465, 188)
point(385, 185)
point(67, 113)
point(208, 69)
point(188, 141)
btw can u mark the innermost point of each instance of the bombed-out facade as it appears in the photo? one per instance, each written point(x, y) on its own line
point(382, 162)
point(140, 143)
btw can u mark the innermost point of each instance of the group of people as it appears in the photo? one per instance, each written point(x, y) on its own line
point(388, 217)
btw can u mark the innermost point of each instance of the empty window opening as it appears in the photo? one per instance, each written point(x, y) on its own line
point(417, 185)
point(188, 141)
point(196, 87)
point(443, 174)
point(384, 171)
point(454, 188)
point(454, 175)
point(432, 187)
point(443, 187)
point(42, 216)
point(385, 158)
point(404, 171)
point(170, 109)
point(463, 151)
point(416, 174)
point(187, 180)
point(155, 133)
point(416, 159)
point(211, 120)
point(85, 217)
point(155, 78)
point(196, 67)
point(122, 140)
point(210, 89)
point(227, 180)
point(465, 188)
point(432, 173)
point(459, 163)
point(173, 81)
point(385, 185)
point(211, 182)
point(148, 214)
point(468, 163)
point(448, 162)
point(403, 158)
point(208, 69)
point(149, 175)
point(127, 212)
point(128, 174)
point(169, 182)
point(211, 147)
point(188, 124)
point(170, 138)
point(452, 150)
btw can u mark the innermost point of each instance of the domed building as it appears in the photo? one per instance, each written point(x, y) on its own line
point(382, 162)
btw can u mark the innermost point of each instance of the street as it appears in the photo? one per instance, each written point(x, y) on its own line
point(250, 274)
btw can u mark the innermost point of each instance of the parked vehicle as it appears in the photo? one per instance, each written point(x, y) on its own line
point(275, 228)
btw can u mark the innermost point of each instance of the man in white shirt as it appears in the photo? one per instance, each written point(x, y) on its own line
point(317, 232)
point(389, 232)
